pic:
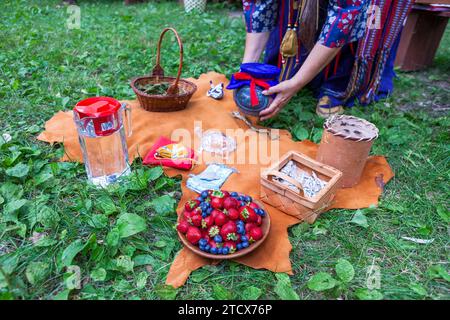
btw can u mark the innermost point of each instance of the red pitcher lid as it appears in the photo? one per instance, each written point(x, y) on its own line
point(97, 107)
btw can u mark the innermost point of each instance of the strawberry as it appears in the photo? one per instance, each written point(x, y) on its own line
point(253, 217)
point(228, 231)
point(196, 220)
point(217, 203)
point(215, 213)
point(207, 222)
point(213, 231)
point(230, 202)
point(255, 234)
point(191, 205)
point(183, 227)
point(258, 221)
point(187, 215)
point(253, 205)
point(193, 235)
point(231, 245)
point(233, 214)
point(220, 219)
point(197, 210)
point(213, 244)
point(247, 214)
point(226, 194)
point(217, 194)
point(205, 234)
point(249, 226)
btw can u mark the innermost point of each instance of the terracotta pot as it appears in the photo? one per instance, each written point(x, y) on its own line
point(345, 145)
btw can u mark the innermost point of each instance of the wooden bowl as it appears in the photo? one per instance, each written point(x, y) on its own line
point(265, 227)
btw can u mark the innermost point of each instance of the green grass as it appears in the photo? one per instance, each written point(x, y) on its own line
point(45, 67)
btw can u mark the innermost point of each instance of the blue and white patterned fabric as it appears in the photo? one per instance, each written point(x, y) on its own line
point(345, 21)
point(343, 24)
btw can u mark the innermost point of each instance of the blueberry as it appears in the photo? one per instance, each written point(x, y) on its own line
point(234, 194)
point(248, 199)
point(202, 242)
point(218, 239)
point(244, 239)
point(262, 212)
point(245, 244)
point(225, 250)
point(200, 199)
point(239, 246)
point(219, 250)
point(242, 203)
point(213, 250)
point(204, 214)
point(241, 230)
point(209, 210)
point(207, 247)
point(202, 248)
point(240, 222)
point(204, 194)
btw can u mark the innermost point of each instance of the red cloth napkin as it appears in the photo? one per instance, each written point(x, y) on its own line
point(183, 164)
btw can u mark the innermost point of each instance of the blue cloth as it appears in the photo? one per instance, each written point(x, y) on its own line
point(257, 70)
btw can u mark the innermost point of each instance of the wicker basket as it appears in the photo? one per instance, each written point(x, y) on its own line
point(294, 203)
point(194, 5)
point(168, 102)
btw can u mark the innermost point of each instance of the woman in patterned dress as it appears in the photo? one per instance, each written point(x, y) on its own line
point(321, 43)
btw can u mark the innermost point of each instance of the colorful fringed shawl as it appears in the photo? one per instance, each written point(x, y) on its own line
point(374, 47)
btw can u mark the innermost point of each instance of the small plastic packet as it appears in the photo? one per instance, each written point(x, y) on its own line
point(212, 178)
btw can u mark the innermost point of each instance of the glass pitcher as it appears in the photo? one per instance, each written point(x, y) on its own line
point(101, 132)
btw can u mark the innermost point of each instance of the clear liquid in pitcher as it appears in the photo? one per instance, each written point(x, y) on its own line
point(105, 157)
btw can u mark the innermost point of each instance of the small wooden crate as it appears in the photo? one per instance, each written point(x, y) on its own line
point(294, 203)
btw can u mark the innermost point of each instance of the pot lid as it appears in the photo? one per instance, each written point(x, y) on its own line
point(352, 128)
point(97, 107)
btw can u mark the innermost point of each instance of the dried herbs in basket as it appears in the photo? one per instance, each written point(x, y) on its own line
point(154, 88)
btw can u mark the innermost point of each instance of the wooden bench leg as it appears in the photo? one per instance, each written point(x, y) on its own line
point(420, 40)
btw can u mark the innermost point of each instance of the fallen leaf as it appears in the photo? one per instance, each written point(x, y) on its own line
point(360, 219)
point(36, 237)
point(6, 137)
point(417, 240)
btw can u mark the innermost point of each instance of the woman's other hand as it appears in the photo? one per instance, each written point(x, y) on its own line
point(284, 91)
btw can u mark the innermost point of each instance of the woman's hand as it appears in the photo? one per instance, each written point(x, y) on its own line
point(285, 90)
point(318, 58)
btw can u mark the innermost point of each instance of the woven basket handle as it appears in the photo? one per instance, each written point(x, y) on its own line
point(158, 70)
point(285, 177)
